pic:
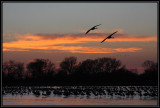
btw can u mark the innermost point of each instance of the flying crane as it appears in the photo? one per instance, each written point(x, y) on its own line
point(95, 27)
point(110, 36)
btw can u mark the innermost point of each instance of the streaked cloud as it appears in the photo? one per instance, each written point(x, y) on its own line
point(14, 49)
point(57, 42)
point(98, 37)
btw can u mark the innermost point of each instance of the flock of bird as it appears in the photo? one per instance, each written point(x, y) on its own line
point(96, 91)
point(95, 27)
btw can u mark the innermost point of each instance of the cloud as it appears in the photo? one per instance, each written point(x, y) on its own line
point(56, 42)
point(104, 50)
point(97, 37)
point(14, 49)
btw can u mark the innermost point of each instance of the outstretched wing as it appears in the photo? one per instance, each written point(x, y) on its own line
point(113, 33)
point(97, 25)
point(92, 28)
point(87, 31)
point(104, 39)
point(109, 36)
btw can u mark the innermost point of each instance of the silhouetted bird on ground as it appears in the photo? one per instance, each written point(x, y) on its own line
point(37, 93)
point(95, 27)
point(110, 36)
point(47, 93)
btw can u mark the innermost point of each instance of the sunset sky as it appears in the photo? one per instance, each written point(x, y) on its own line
point(57, 30)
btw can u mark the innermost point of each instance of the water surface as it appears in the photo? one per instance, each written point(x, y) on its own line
point(29, 98)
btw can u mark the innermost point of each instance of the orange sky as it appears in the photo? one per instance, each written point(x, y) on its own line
point(67, 42)
point(57, 30)
point(132, 50)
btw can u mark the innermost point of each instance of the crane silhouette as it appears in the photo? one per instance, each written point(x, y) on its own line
point(95, 27)
point(110, 36)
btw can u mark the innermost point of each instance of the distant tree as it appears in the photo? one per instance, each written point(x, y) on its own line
point(151, 69)
point(100, 65)
point(13, 69)
point(49, 68)
point(68, 64)
point(41, 68)
point(124, 76)
point(150, 75)
point(150, 65)
point(61, 76)
point(107, 65)
point(99, 69)
point(9, 68)
point(20, 70)
point(87, 67)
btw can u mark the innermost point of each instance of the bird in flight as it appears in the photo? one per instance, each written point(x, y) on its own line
point(110, 36)
point(95, 27)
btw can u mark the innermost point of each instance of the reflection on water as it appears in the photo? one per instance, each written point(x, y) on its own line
point(80, 95)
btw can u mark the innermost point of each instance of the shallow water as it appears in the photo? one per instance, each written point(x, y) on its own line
point(54, 99)
point(75, 101)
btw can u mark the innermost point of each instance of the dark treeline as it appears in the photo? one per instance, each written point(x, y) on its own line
point(100, 71)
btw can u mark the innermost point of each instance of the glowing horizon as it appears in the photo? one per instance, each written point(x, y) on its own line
point(57, 30)
point(56, 42)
